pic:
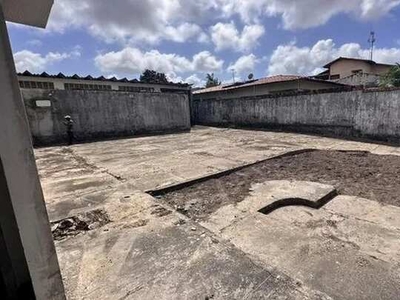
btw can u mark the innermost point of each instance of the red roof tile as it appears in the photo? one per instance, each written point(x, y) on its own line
point(266, 80)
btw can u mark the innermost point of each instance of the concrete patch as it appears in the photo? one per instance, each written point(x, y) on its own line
point(165, 258)
point(268, 196)
point(339, 250)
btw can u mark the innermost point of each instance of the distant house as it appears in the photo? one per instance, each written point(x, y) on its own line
point(60, 81)
point(354, 71)
point(265, 86)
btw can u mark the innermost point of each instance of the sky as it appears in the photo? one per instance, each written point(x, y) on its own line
point(186, 39)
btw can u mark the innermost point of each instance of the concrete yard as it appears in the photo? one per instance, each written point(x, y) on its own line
point(138, 246)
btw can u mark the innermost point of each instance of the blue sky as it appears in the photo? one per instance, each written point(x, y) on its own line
point(188, 38)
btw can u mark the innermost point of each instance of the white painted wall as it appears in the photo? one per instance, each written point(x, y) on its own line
point(59, 83)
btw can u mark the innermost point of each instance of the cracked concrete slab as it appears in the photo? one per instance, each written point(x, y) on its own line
point(342, 251)
point(348, 249)
point(70, 174)
point(145, 254)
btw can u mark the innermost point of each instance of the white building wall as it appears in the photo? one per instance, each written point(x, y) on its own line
point(59, 83)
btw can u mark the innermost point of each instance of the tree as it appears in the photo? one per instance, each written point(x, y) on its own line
point(212, 80)
point(392, 78)
point(151, 76)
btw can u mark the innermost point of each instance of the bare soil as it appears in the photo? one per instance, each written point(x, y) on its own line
point(362, 174)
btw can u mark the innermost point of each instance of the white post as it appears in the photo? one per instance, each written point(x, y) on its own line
point(26, 244)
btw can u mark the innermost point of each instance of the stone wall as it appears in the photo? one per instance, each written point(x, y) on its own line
point(370, 114)
point(104, 114)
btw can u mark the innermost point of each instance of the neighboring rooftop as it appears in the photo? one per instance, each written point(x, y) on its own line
point(355, 59)
point(261, 81)
point(90, 78)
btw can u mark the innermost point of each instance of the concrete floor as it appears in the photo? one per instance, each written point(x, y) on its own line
point(142, 254)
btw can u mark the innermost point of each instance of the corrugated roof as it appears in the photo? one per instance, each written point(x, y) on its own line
point(89, 78)
point(261, 81)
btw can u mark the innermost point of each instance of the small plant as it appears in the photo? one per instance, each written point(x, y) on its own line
point(212, 80)
point(392, 78)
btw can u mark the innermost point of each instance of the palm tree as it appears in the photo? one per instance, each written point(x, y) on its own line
point(392, 78)
point(212, 80)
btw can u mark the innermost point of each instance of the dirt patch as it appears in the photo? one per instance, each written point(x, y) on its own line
point(160, 211)
point(75, 225)
point(362, 174)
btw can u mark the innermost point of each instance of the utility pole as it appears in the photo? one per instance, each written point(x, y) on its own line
point(233, 75)
point(372, 41)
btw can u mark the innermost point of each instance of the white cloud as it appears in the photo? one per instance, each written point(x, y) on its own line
point(306, 13)
point(35, 43)
point(131, 21)
point(172, 77)
point(205, 61)
point(134, 61)
point(290, 59)
point(184, 32)
point(244, 65)
point(36, 63)
point(226, 36)
point(195, 81)
point(151, 21)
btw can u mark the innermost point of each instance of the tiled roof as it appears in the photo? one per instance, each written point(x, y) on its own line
point(261, 81)
point(101, 78)
point(274, 79)
point(357, 59)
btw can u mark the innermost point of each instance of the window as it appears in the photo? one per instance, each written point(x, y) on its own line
point(43, 103)
point(176, 91)
point(82, 86)
point(36, 85)
point(333, 77)
point(357, 71)
point(135, 89)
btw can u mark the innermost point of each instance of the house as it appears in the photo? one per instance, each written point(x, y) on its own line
point(266, 86)
point(60, 81)
point(354, 71)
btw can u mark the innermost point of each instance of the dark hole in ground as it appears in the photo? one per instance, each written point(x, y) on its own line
point(362, 174)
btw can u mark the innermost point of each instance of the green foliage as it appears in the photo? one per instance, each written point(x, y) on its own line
point(212, 80)
point(150, 76)
point(392, 78)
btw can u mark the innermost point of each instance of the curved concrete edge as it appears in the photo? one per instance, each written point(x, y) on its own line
point(299, 201)
point(271, 195)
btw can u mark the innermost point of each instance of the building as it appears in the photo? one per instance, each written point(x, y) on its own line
point(60, 81)
point(354, 71)
point(266, 86)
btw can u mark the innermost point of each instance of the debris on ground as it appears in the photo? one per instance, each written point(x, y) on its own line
point(75, 225)
point(160, 211)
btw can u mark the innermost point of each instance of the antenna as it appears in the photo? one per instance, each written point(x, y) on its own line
point(372, 41)
point(233, 75)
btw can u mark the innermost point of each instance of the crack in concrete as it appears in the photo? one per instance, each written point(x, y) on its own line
point(91, 166)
